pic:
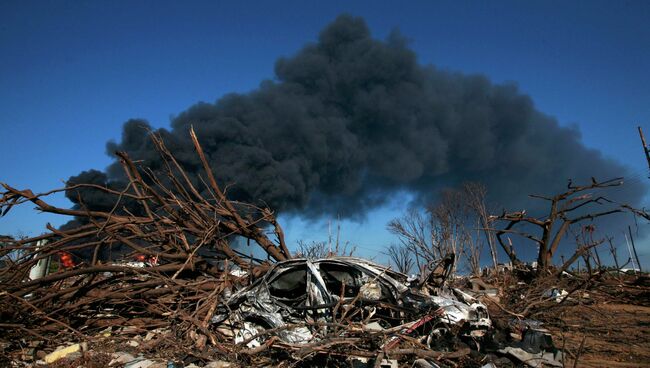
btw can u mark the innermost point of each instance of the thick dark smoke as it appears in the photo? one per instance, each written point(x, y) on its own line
point(351, 120)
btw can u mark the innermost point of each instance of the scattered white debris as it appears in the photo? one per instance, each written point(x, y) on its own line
point(120, 358)
point(63, 352)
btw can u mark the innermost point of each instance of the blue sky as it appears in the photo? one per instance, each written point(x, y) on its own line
point(71, 73)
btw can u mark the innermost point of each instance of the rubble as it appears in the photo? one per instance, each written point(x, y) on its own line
point(171, 223)
point(155, 282)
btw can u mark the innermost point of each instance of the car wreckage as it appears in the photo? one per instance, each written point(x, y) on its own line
point(300, 299)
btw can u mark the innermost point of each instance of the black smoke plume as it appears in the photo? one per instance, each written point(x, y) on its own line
point(350, 120)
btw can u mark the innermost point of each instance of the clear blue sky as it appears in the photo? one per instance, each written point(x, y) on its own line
point(71, 73)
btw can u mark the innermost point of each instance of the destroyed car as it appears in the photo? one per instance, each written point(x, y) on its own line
point(299, 299)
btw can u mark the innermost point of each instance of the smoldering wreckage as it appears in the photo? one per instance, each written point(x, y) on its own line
point(191, 299)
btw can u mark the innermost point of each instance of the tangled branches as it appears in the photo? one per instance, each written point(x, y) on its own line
point(184, 237)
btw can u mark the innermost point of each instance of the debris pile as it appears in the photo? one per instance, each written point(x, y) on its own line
point(157, 281)
point(159, 258)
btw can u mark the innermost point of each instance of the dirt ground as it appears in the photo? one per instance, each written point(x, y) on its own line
point(614, 323)
point(616, 335)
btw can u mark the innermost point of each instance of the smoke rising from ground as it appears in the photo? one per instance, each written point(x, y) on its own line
point(350, 120)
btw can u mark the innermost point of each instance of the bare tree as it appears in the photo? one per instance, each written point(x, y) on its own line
point(585, 245)
point(473, 248)
point(401, 257)
point(566, 209)
point(312, 250)
point(475, 197)
point(324, 249)
point(614, 253)
point(448, 221)
point(414, 234)
point(452, 226)
point(425, 235)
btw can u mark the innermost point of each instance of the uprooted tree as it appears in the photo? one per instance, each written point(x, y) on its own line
point(566, 209)
point(167, 220)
